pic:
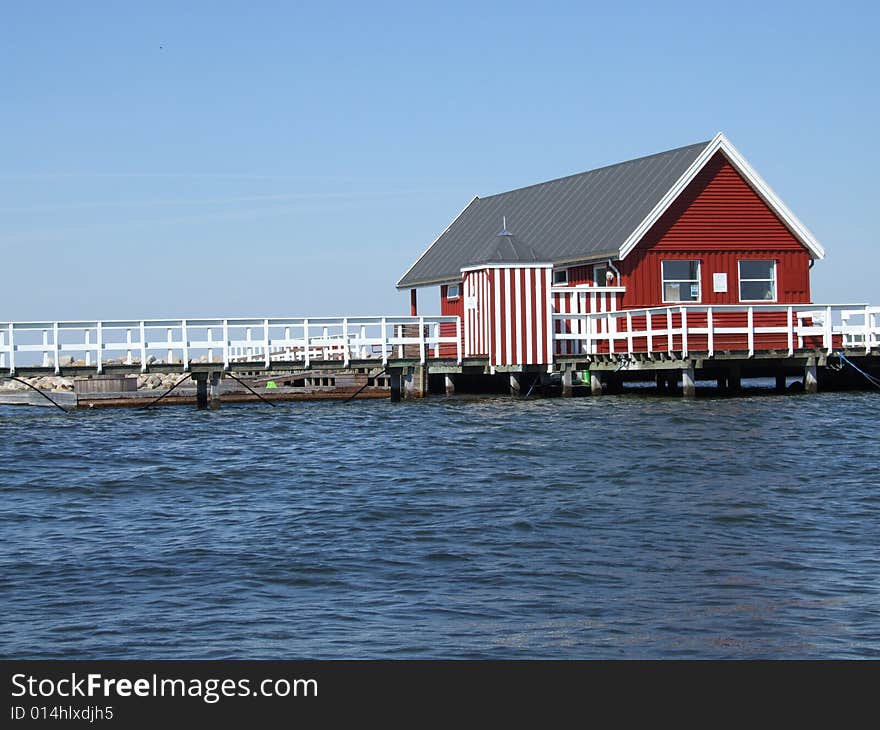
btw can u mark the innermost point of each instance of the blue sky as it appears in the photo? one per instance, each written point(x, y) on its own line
point(266, 159)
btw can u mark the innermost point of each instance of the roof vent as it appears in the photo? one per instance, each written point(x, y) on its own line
point(504, 231)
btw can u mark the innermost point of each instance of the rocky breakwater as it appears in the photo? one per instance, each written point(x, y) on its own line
point(150, 381)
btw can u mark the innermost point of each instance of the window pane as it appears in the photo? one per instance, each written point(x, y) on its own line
point(452, 291)
point(560, 277)
point(680, 269)
point(756, 290)
point(681, 292)
point(599, 275)
point(756, 269)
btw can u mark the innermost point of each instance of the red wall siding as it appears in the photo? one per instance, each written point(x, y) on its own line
point(451, 308)
point(579, 275)
point(718, 219)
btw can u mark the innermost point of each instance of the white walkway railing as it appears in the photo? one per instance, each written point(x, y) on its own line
point(678, 329)
point(184, 342)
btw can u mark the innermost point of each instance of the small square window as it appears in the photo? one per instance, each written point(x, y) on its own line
point(757, 281)
point(560, 276)
point(452, 291)
point(681, 281)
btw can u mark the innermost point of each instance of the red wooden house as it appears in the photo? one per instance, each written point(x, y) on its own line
point(692, 232)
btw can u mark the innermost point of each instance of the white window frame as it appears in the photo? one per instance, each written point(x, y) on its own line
point(774, 281)
point(699, 281)
point(563, 273)
point(450, 297)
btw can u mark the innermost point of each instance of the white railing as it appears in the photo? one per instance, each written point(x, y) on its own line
point(184, 342)
point(676, 329)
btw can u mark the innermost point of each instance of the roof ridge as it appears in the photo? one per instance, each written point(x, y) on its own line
point(595, 169)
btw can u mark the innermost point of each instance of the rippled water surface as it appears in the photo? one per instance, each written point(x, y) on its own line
point(578, 528)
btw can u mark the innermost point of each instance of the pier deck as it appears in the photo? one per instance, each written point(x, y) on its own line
point(683, 342)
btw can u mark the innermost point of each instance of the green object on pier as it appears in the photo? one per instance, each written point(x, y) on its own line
point(271, 384)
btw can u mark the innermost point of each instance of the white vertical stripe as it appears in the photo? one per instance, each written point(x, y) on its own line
point(518, 319)
point(496, 295)
point(466, 315)
point(508, 315)
point(549, 346)
point(529, 345)
point(539, 329)
point(481, 308)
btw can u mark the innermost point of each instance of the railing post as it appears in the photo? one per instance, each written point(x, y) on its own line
point(99, 336)
point(422, 340)
point(346, 355)
point(11, 348)
point(629, 331)
point(458, 339)
point(710, 326)
point(169, 340)
point(384, 343)
point(829, 332)
point(226, 344)
point(307, 355)
point(325, 353)
point(266, 342)
point(669, 330)
point(751, 330)
point(790, 332)
point(610, 334)
point(45, 348)
point(88, 346)
point(684, 331)
point(435, 327)
point(649, 327)
point(56, 348)
point(400, 337)
point(143, 347)
point(2, 349)
point(184, 336)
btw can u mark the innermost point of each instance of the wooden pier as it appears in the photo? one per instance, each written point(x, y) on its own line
point(409, 357)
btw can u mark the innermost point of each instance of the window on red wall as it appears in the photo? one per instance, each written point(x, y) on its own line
point(757, 281)
point(452, 291)
point(681, 281)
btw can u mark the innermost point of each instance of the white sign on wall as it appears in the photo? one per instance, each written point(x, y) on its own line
point(719, 283)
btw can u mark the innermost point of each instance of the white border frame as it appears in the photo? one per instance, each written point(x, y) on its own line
point(664, 280)
point(739, 281)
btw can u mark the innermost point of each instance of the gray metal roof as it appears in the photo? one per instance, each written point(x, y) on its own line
point(505, 248)
point(567, 219)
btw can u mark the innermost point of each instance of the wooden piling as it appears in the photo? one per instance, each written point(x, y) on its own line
point(688, 382)
point(811, 377)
